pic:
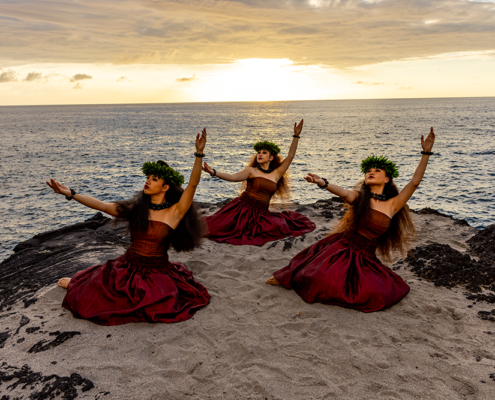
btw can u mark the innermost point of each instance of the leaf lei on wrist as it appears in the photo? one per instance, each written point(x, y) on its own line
point(271, 147)
point(380, 162)
point(169, 175)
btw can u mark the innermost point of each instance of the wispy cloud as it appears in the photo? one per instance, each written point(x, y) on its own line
point(80, 77)
point(78, 86)
point(190, 79)
point(122, 79)
point(339, 34)
point(8, 76)
point(33, 76)
point(369, 83)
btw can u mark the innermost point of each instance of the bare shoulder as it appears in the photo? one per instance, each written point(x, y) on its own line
point(251, 171)
point(352, 196)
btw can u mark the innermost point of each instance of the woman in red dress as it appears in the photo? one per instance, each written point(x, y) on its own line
point(143, 285)
point(246, 219)
point(342, 269)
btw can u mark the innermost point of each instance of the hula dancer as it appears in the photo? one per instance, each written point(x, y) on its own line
point(246, 219)
point(143, 285)
point(342, 269)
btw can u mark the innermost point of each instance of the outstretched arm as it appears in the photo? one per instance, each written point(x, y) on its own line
point(349, 196)
point(182, 207)
point(280, 171)
point(91, 202)
point(405, 194)
point(237, 177)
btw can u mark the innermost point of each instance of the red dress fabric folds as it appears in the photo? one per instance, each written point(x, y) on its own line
point(246, 220)
point(342, 269)
point(139, 286)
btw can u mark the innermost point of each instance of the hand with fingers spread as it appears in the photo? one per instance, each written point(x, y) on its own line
point(427, 143)
point(201, 141)
point(313, 178)
point(298, 127)
point(208, 169)
point(59, 188)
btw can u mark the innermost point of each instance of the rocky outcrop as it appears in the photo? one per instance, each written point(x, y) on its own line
point(42, 260)
point(445, 266)
point(43, 386)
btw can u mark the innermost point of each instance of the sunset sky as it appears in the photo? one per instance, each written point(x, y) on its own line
point(93, 52)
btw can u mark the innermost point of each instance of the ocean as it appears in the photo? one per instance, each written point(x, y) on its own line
point(98, 150)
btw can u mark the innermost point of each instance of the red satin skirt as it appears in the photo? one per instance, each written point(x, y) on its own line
point(245, 220)
point(343, 270)
point(134, 288)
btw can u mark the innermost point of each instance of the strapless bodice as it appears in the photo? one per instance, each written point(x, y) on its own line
point(374, 224)
point(261, 189)
point(154, 242)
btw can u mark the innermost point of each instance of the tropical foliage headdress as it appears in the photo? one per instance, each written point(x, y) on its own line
point(380, 162)
point(271, 147)
point(168, 174)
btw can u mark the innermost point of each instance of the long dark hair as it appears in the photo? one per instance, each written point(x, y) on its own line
point(401, 230)
point(283, 184)
point(187, 236)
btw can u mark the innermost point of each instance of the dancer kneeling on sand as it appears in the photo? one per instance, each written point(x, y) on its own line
point(246, 219)
point(342, 269)
point(142, 285)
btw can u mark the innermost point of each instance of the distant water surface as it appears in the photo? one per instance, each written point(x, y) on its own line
point(98, 151)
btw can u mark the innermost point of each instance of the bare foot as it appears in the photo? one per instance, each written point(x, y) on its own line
point(272, 281)
point(64, 282)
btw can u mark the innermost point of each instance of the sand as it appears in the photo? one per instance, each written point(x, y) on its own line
point(256, 341)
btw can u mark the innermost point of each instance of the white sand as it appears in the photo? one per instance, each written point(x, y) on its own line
point(256, 341)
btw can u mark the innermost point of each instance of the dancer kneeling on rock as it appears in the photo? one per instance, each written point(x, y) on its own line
point(142, 285)
point(246, 219)
point(342, 269)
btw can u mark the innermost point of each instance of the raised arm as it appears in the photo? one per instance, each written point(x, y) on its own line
point(186, 199)
point(349, 196)
point(91, 202)
point(280, 171)
point(237, 177)
point(405, 194)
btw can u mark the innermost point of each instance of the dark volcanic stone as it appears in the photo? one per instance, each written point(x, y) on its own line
point(489, 297)
point(487, 315)
point(483, 244)
point(3, 338)
point(288, 243)
point(44, 345)
point(431, 211)
point(448, 267)
point(329, 208)
point(24, 321)
point(39, 387)
point(47, 257)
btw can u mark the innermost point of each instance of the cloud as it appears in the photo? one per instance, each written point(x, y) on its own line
point(369, 83)
point(146, 58)
point(190, 79)
point(80, 77)
point(33, 76)
point(8, 76)
point(338, 34)
point(123, 79)
point(78, 86)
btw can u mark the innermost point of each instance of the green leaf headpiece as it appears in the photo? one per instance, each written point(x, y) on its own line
point(380, 162)
point(169, 175)
point(271, 147)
